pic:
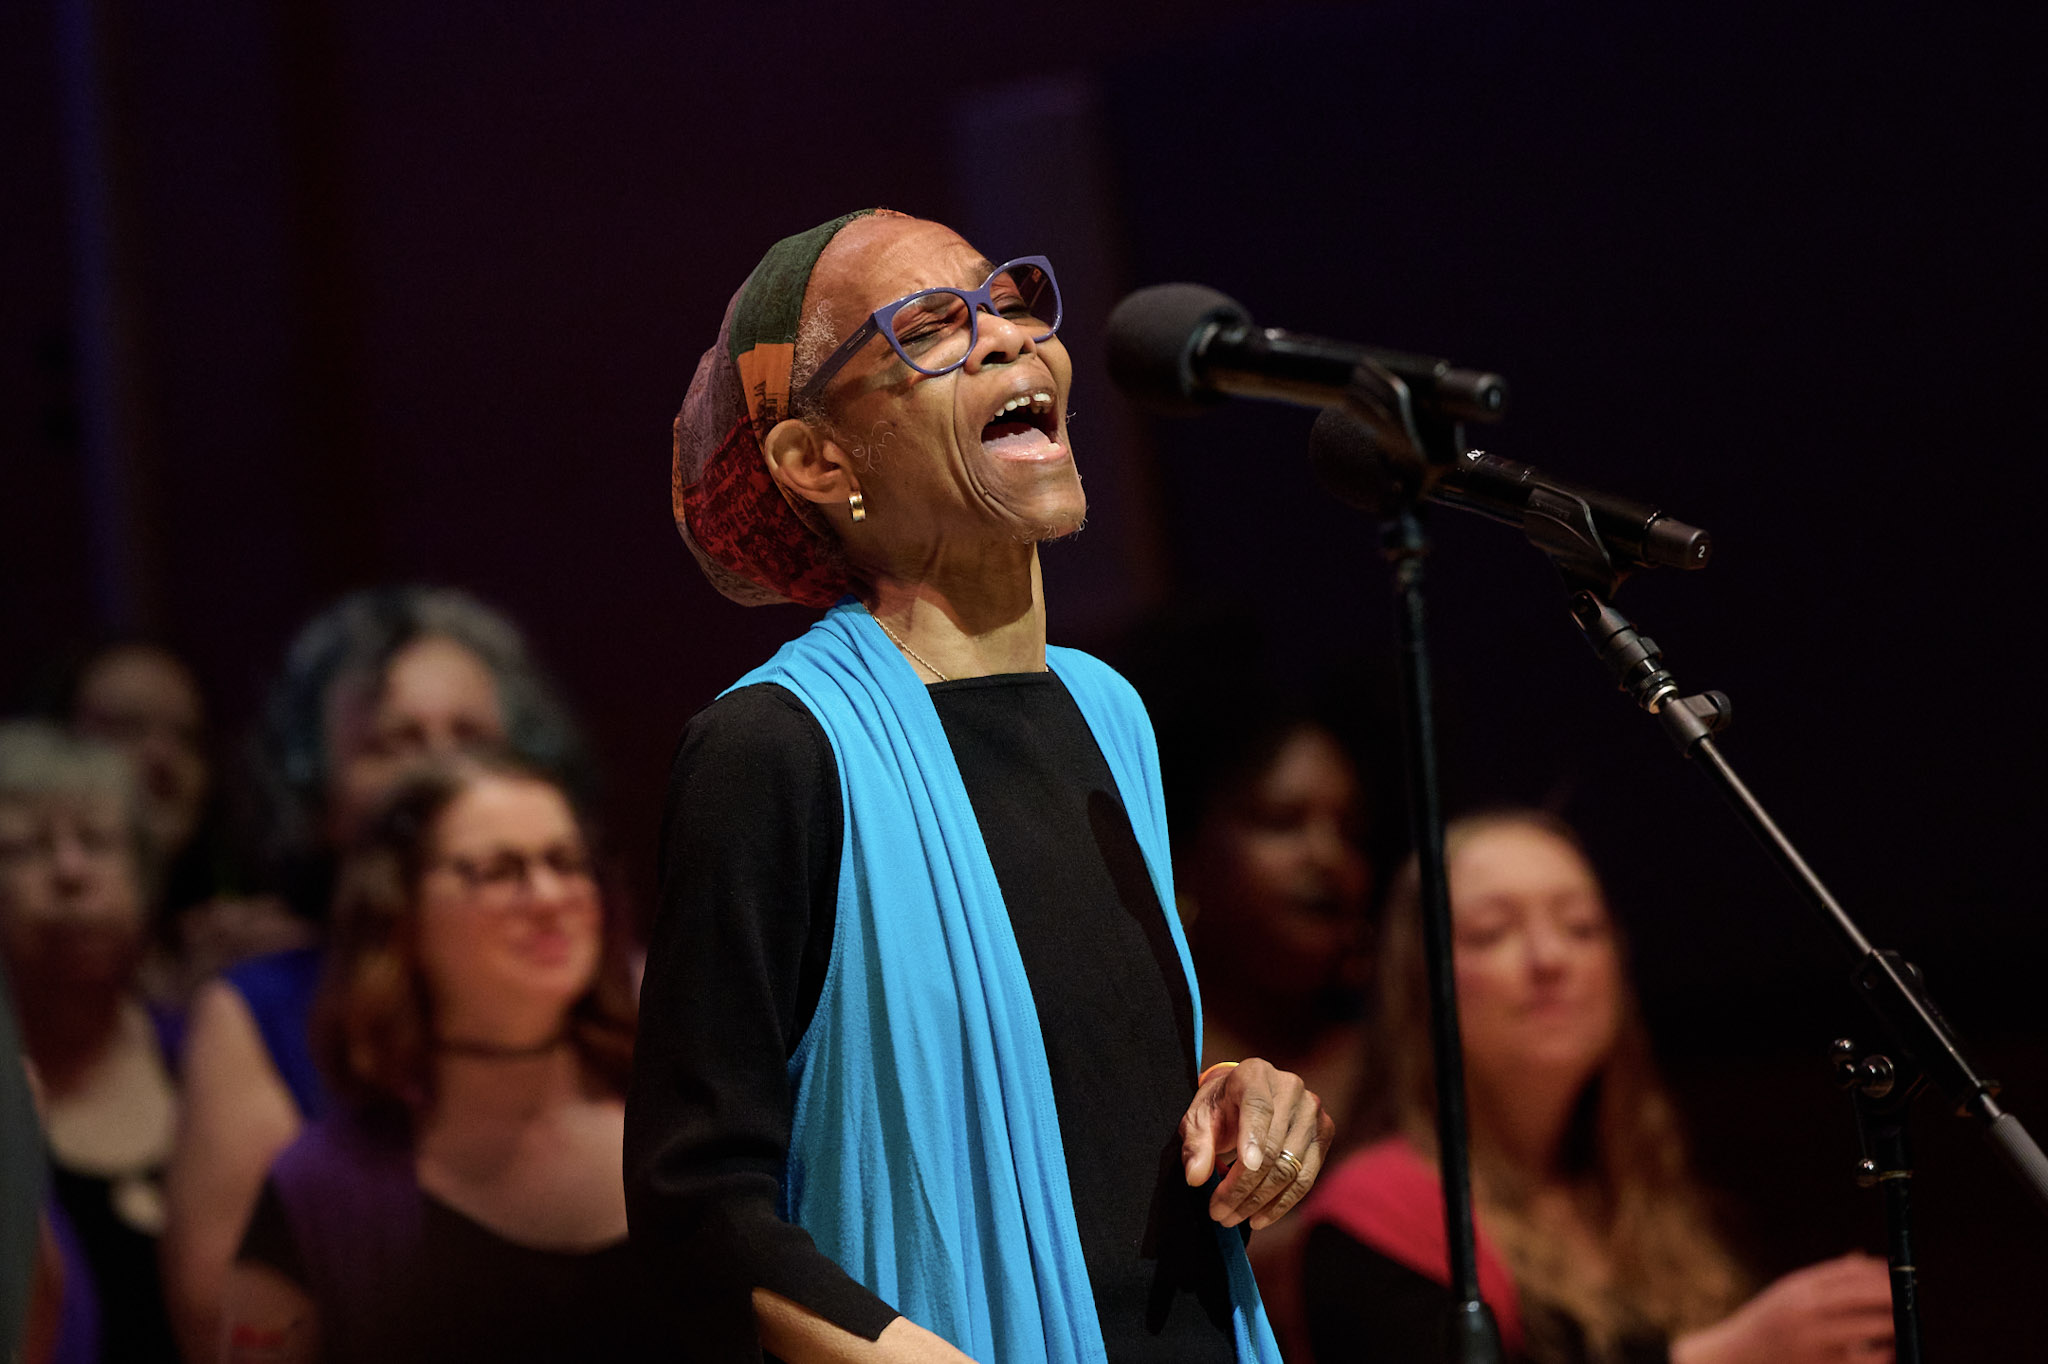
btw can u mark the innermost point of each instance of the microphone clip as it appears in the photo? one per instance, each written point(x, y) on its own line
point(1419, 441)
point(1560, 523)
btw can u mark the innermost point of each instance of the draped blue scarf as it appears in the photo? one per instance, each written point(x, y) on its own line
point(925, 1152)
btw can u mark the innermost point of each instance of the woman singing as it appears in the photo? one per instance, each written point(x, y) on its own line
point(919, 1075)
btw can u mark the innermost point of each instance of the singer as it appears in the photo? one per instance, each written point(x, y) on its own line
point(917, 1077)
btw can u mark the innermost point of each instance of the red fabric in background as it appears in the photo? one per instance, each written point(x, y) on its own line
point(1389, 1198)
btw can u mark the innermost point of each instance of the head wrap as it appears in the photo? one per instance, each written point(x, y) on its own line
point(751, 543)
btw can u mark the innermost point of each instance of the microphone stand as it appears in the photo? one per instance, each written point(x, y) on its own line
point(1473, 1335)
point(1924, 1052)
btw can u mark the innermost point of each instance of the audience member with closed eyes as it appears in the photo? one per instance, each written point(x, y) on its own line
point(1595, 1244)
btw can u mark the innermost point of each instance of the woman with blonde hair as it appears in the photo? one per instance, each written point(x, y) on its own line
point(464, 1197)
point(1595, 1242)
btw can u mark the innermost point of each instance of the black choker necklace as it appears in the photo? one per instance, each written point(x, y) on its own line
point(497, 1051)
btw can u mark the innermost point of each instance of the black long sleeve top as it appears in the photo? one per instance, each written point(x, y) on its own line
point(750, 865)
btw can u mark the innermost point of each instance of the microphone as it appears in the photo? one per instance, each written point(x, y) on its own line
point(1180, 348)
point(1350, 464)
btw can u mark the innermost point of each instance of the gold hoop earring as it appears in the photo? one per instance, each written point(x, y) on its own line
point(859, 509)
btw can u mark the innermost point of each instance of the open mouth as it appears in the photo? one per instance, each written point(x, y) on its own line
point(1025, 427)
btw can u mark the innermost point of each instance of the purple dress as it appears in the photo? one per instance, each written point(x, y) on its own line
point(397, 1275)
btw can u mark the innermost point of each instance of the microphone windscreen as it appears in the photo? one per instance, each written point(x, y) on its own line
point(1347, 460)
point(1153, 335)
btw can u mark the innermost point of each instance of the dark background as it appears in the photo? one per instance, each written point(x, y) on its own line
point(299, 298)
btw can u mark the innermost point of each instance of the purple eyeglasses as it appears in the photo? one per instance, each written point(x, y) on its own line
point(934, 330)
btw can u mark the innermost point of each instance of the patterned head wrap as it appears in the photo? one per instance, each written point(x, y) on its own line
point(751, 543)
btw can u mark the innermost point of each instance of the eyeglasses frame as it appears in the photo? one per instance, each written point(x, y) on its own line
point(517, 890)
point(882, 321)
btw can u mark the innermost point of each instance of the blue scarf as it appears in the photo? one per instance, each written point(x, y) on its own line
point(925, 1151)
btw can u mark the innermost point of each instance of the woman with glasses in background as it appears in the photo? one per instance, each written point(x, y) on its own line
point(382, 681)
point(462, 1199)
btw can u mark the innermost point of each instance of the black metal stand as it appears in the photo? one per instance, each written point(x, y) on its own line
point(1923, 1049)
point(1881, 1095)
point(1885, 981)
point(1391, 489)
point(1474, 1336)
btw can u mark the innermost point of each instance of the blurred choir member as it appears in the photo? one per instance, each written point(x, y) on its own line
point(1277, 841)
point(380, 682)
point(1272, 879)
point(1595, 1244)
point(143, 699)
point(463, 1197)
point(72, 855)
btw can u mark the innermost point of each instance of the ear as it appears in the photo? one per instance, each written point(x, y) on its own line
point(809, 464)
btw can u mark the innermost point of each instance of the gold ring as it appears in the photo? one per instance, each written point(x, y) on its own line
point(1293, 1165)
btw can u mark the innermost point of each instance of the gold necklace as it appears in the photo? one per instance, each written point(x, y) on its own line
point(906, 648)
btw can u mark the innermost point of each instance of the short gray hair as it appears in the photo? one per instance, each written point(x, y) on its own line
point(358, 637)
point(817, 336)
point(41, 760)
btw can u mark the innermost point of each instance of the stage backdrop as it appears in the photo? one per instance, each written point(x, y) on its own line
point(304, 297)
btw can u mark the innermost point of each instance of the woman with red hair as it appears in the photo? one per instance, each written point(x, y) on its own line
point(464, 1199)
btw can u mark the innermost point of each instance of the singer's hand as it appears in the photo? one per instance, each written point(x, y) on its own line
point(1249, 1116)
point(1837, 1310)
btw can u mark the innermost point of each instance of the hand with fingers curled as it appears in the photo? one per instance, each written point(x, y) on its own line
point(1834, 1311)
point(1265, 1129)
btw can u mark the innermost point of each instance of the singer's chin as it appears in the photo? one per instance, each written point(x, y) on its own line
point(1048, 531)
point(1040, 501)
